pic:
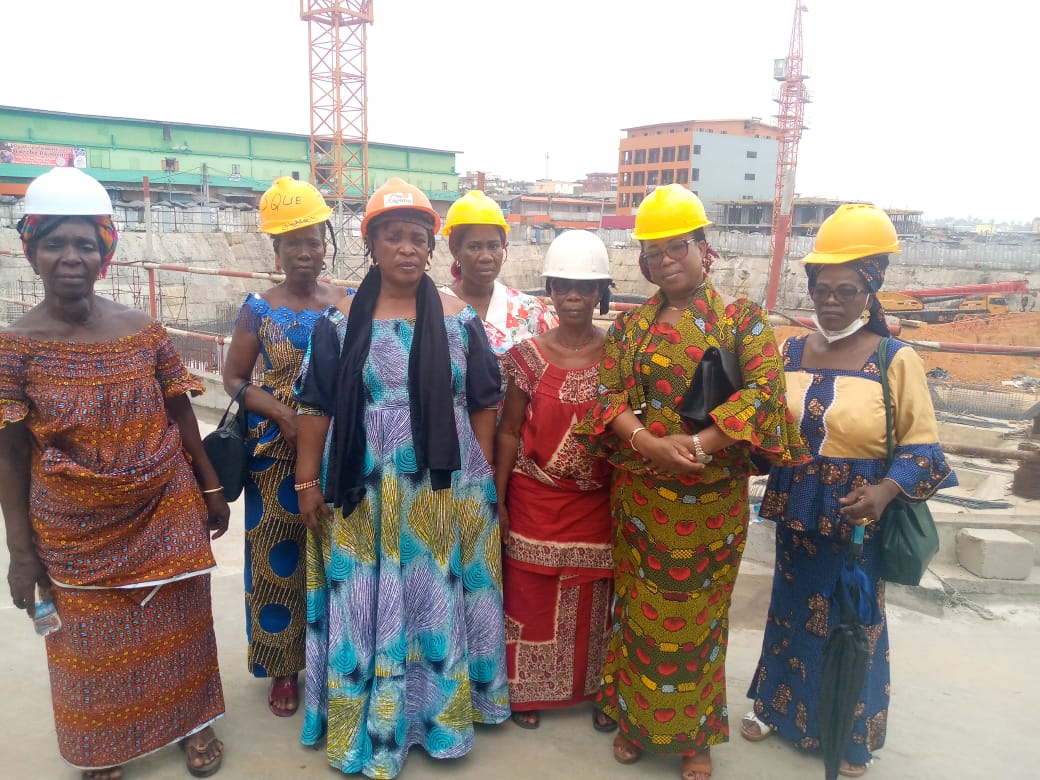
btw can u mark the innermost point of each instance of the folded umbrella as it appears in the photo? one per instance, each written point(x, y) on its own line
point(845, 656)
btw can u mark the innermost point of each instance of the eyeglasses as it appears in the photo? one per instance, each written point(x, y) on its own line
point(583, 286)
point(677, 250)
point(843, 293)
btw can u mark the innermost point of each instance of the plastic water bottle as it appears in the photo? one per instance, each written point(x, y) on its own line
point(46, 619)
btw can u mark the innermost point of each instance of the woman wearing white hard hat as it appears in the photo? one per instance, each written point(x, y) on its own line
point(109, 499)
point(554, 499)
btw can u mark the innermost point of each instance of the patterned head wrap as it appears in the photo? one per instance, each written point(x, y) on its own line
point(33, 227)
point(872, 271)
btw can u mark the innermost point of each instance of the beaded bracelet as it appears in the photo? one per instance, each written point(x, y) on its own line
point(213, 490)
point(301, 486)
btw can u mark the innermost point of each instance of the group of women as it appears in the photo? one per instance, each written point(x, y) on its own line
point(461, 506)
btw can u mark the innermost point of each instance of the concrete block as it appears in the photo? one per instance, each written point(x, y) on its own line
point(994, 553)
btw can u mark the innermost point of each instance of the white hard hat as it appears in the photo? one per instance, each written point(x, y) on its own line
point(577, 254)
point(67, 192)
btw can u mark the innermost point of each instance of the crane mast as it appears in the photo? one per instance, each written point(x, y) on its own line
point(790, 115)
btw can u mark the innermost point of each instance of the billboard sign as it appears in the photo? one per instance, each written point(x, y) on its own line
point(43, 154)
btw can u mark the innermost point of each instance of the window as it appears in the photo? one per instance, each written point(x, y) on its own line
point(749, 177)
point(236, 169)
point(640, 156)
point(638, 179)
point(752, 155)
point(671, 130)
point(167, 136)
point(296, 175)
point(668, 154)
point(747, 197)
point(683, 176)
point(651, 179)
point(696, 148)
point(684, 153)
point(695, 174)
point(655, 156)
point(724, 132)
point(170, 164)
point(667, 177)
point(626, 158)
point(624, 200)
point(636, 200)
point(626, 179)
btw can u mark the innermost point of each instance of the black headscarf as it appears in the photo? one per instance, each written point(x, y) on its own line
point(431, 406)
point(872, 270)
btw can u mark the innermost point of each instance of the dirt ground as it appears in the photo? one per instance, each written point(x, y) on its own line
point(1016, 329)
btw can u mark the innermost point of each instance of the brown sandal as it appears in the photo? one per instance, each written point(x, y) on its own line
point(603, 722)
point(625, 752)
point(109, 773)
point(198, 747)
point(852, 770)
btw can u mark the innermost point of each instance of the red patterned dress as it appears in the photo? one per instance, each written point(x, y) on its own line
point(557, 568)
point(120, 524)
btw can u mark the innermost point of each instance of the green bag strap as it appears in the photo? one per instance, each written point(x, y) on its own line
point(882, 353)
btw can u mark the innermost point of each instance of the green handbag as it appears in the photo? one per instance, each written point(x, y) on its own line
point(909, 539)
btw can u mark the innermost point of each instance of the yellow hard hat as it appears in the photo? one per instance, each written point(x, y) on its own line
point(669, 211)
point(398, 194)
point(855, 230)
point(474, 208)
point(290, 205)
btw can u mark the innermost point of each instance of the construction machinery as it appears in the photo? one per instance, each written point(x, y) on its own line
point(946, 304)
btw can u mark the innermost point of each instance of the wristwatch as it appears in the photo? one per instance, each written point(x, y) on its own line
point(698, 451)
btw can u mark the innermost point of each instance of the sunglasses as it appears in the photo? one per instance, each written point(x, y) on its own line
point(677, 250)
point(844, 293)
point(583, 286)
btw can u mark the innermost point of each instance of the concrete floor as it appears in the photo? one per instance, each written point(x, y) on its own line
point(964, 693)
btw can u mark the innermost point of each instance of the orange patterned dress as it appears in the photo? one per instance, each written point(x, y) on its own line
point(120, 524)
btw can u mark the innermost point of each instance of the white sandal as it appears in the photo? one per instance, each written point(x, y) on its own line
point(748, 725)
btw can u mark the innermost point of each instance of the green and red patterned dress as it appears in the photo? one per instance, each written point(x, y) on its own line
point(678, 542)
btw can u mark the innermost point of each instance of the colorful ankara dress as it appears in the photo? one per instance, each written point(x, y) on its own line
point(120, 524)
point(842, 417)
point(276, 612)
point(557, 567)
point(405, 635)
point(512, 317)
point(678, 542)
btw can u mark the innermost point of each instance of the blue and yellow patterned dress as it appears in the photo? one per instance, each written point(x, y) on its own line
point(275, 536)
point(842, 417)
point(405, 630)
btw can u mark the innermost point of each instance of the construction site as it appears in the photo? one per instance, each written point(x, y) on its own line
point(189, 253)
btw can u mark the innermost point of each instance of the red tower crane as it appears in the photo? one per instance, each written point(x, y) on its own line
point(339, 113)
point(792, 99)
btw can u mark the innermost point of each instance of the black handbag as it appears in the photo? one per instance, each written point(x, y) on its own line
point(909, 538)
point(226, 447)
point(717, 377)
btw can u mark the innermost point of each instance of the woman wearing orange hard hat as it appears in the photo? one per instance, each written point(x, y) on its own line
point(398, 396)
point(680, 486)
point(834, 376)
point(477, 232)
point(276, 325)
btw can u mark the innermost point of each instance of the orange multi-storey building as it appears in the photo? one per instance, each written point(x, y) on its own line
point(720, 159)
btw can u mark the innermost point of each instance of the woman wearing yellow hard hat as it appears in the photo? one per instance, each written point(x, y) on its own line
point(476, 231)
point(406, 636)
point(837, 397)
point(680, 500)
point(276, 326)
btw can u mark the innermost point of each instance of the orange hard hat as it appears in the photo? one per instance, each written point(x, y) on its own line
point(398, 194)
point(853, 231)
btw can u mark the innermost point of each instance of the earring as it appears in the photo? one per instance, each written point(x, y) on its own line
point(324, 265)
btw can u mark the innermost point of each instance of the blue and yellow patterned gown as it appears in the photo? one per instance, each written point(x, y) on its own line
point(405, 630)
point(275, 536)
point(842, 417)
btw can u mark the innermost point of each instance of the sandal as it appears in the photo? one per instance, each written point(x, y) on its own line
point(197, 747)
point(852, 770)
point(109, 773)
point(754, 730)
point(625, 752)
point(697, 767)
point(603, 722)
point(526, 720)
point(281, 689)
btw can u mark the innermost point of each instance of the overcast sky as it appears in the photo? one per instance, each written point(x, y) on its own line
point(923, 104)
